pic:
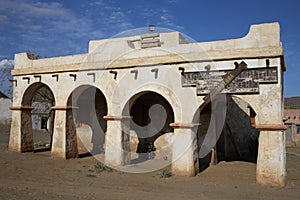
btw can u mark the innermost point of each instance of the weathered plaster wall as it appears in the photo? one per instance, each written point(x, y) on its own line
point(5, 116)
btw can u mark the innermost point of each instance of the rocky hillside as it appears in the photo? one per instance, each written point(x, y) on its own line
point(292, 103)
point(5, 85)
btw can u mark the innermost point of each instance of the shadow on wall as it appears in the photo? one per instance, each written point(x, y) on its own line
point(238, 140)
point(85, 124)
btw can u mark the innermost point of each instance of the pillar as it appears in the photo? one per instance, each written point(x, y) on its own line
point(117, 147)
point(64, 141)
point(271, 159)
point(21, 138)
point(15, 131)
point(185, 160)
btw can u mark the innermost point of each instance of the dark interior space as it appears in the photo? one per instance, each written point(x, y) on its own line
point(238, 140)
point(150, 124)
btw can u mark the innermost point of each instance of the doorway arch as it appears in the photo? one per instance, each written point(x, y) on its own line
point(237, 140)
point(36, 115)
point(85, 126)
point(150, 133)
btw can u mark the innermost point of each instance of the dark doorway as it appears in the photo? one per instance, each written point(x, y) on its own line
point(238, 140)
point(151, 115)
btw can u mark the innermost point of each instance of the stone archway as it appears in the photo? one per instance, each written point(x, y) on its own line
point(237, 140)
point(85, 126)
point(41, 94)
point(150, 131)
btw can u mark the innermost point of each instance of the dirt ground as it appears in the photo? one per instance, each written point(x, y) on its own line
point(40, 176)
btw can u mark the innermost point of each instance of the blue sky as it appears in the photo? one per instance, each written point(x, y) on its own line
point(62, 27)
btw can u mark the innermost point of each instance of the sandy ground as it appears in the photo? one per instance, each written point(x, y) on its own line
point(39, 176)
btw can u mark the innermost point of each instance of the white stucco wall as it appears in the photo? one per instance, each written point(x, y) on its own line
point(5, 112)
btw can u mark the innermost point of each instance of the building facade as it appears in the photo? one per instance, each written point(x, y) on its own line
point(156, 84)
point(292, 121)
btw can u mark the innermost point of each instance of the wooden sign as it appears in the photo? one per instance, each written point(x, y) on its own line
point(246, 82)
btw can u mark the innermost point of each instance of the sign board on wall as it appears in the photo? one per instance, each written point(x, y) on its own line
point(246, 82)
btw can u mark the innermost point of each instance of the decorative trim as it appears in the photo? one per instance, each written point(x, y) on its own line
point(155, 71)
point(21, 108)
point(93, 75)
point(257, 53)
point(271, 127)
point(135, 72)
point(63, 107)
point(55, 76)
point(184, 125)
point(74, 76)
point(14, 81)
point(27, 79)
point(115, 73)
point(110, 117)
point(38, 77)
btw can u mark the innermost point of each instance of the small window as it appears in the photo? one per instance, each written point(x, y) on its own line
point(295, 117)
point(298, 129)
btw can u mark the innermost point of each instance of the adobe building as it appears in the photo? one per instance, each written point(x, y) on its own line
point(292, 121)
point(159, 95)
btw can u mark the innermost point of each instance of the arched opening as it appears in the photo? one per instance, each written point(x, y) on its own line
point(238, 139)
point(37, 118)
point(85, 125)
point(150, 133)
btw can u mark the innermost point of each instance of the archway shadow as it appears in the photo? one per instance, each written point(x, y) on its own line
point(85, 124)
point(42, 150)
point(85, 155)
